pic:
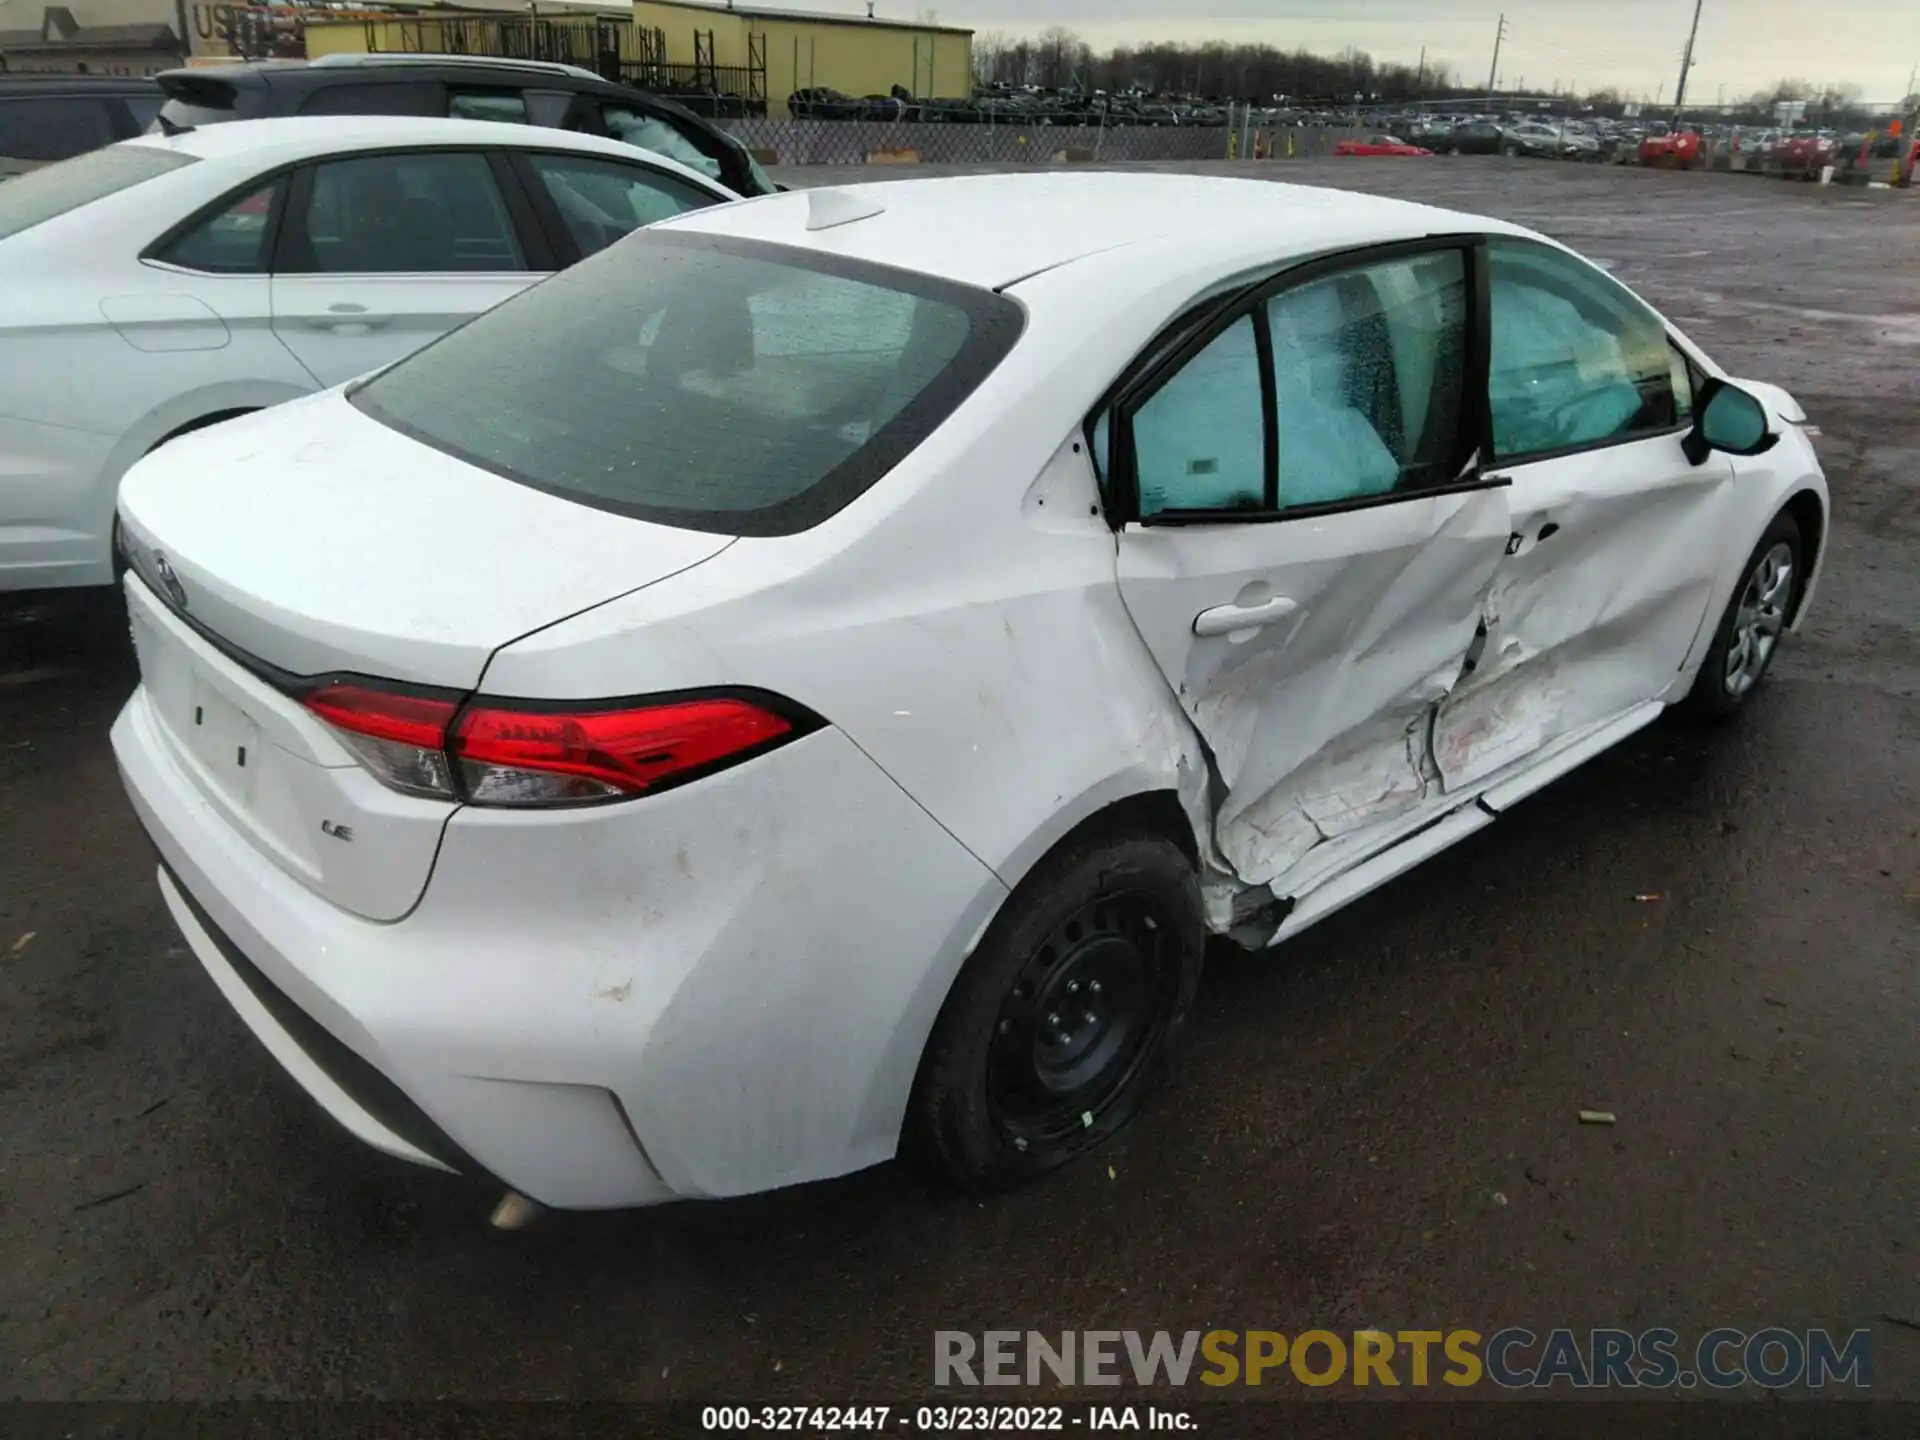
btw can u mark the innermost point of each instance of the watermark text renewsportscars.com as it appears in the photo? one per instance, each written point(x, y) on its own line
point(1514, 1358)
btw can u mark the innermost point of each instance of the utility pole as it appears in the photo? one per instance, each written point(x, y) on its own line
point(1493, 70)
point(1686, 64)
point(1420, 84)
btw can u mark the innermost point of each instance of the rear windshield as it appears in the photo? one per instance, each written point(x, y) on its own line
point(52, 190)
point(705, 382)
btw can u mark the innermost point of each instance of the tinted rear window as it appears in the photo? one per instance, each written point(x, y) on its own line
point(713, 384)
point(55, 189)
point(53, 127)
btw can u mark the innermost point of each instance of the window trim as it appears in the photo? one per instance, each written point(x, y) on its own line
point(1585, 447)
point(153, 253)
point(533, 242)
point(540, 204)
point(1152, 370)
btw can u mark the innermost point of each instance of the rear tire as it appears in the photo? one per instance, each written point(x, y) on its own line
point(1058, 1028)
point(1750, 631)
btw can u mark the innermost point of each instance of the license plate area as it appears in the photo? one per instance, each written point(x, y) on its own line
point(221, 736)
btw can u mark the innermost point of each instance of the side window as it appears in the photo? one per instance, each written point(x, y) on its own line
point(551, 108)
point(408, 99)
point(650, 132)
point(602, 200)
point(1576, 360)
point(1686, 385)
point(1369, 382)
point(403, 214)
point(1369, 371)
point(231, 242)
point(53, 129)
point(505, 105)
point(1199, 441)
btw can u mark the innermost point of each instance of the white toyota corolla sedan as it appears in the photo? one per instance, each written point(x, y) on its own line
point(804, 683)
point(175, 281)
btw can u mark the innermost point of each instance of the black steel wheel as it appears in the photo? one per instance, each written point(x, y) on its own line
point(1057, 1029)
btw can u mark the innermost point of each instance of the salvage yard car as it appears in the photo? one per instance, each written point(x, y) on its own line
point(44, 118)
point(1379, 145)
point(171, 282)
point(804, 683)
point(461, 87)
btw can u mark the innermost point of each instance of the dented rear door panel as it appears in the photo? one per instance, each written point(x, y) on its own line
point(1317, 719)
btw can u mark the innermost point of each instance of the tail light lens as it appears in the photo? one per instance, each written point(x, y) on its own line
point(489, 753)
point(401, 738)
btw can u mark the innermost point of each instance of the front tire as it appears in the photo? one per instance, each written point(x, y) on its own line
point(1756, 617)
point(1059, 1026)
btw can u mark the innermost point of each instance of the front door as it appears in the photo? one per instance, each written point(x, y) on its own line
point(382, 253)
point(1310, 545)
point(1615, 530)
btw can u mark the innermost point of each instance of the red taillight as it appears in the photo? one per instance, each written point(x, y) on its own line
point(556, 757)
point(549, 756)
point(401, 738)
point(384, 715)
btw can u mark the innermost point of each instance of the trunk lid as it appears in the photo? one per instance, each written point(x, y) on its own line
point(317, 540)
point(308, 541)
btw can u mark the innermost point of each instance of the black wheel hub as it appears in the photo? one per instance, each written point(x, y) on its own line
point(1079, 1021)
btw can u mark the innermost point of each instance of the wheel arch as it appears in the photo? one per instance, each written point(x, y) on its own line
point(1809, 512)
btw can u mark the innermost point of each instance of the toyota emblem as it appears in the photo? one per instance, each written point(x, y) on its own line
point(170, 582)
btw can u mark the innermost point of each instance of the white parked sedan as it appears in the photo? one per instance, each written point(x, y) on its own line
point(171, 282)
point(806, 681)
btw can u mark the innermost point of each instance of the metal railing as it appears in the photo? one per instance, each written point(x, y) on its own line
point(719, 91)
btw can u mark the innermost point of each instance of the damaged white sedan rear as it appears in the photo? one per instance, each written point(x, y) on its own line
point(804, 683)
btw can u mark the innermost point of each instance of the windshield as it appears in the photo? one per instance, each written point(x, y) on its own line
point(709, 383)
point(51, 190)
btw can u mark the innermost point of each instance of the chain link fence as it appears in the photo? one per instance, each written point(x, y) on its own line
point(871, 142)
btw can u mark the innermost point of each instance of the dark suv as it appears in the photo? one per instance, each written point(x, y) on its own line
point(44, 118)
point(533, 92)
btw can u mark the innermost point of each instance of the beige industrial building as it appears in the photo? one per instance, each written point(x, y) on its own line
point(776, 52)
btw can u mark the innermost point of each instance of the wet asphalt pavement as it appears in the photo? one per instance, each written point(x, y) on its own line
point(1715, 936)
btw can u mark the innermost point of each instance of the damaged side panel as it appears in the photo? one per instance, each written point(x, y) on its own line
point(1612, 570)
point(1316, 711)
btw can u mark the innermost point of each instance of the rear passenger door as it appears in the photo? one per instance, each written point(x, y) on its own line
point(381, 253)
point(1308, 541)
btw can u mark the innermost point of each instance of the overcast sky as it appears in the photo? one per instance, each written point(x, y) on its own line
point(1744, 45)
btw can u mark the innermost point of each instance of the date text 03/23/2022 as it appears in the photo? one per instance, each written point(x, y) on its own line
point(941, 1419)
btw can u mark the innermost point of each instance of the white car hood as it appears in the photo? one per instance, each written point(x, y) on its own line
point(318, 540)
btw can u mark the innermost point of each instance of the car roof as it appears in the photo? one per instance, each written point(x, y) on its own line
point(992, 230)
point(281, 141)
point(304, 76)
point(40, 84)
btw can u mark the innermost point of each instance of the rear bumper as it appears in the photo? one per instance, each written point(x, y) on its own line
point(717, 990)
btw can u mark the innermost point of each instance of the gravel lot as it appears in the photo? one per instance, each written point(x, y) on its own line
point(1375, 1125)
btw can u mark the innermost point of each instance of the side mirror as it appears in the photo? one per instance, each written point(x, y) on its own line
point(1729, 420)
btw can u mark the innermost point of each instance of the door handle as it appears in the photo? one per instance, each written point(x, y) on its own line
point(347, 318)
point(1226, 619)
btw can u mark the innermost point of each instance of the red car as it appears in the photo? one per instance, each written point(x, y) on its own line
point(1675, 152)
point(1378, 145)
point(1802, 155)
